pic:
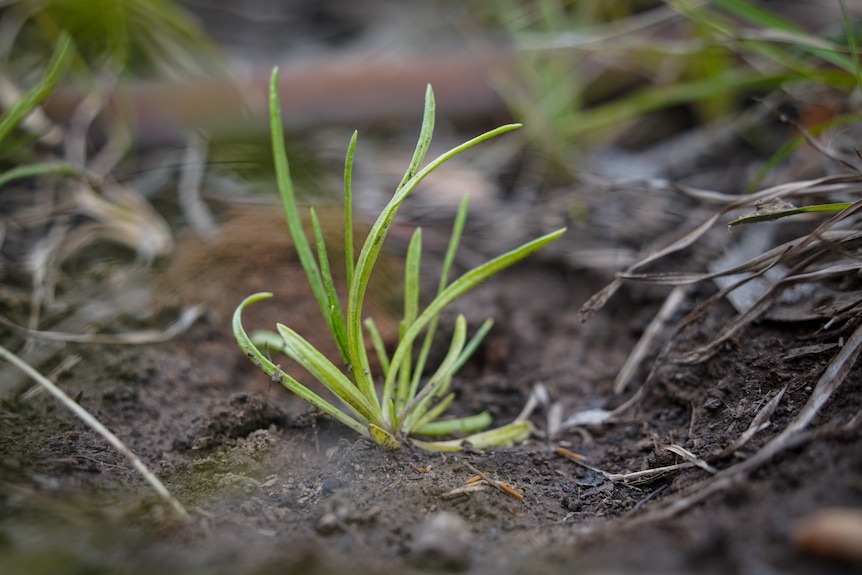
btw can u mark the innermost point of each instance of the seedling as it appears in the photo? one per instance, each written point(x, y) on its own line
point(406, 405)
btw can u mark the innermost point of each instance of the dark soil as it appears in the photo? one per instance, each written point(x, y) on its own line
point(275, 488)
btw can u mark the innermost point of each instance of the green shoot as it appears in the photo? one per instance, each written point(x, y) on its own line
point(768, 215)
point(407, 406)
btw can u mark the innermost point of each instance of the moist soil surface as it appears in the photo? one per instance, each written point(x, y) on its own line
point(274, 487)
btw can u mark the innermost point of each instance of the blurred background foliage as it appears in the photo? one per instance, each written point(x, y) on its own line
point(588, 67)
point(140, 37)
point(585, 71)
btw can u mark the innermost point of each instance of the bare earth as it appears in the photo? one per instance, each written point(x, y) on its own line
point(274, 488)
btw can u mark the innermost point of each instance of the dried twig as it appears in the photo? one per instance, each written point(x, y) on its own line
point(188, 316)
point(97, 426)
point(653, 330)
point(191, 177)
point(794, 434)
point(494, 483)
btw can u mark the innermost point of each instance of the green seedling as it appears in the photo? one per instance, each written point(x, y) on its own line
point(768, 213)
point(407, 404)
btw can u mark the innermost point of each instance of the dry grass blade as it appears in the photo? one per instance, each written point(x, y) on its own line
point(464, 490)
point(188, 316)
point(808, 257)
point(835, 374)
point(848, 183)
point(758, 424)
point(598, 301)
point(633, 477)
point(645, 343)
point(741, 321)
point(497, 484)
point(97, 426)
point(123, 216)
point(690, 457)
point(191, 177)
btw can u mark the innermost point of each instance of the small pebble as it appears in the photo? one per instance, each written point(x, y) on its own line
point(831, 532)
point(443, 541)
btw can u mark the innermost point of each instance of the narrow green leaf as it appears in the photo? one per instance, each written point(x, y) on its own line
point(265, 365)
point(851, 42)
point(307, 356)
point(499, 437)
point(448, 261)
point(371, 249)
point(425, 134)
point(778, 214)
point(770, 20)
point(58, 64)
point(454, 241)
point(377, 342)
point(40, 169)
point(335, 316)
point(653, 98)
point(473, 344)
point(433, 413)
point(269, 342)
point(470, 424)
point(288, 200)
point(419, 404)
point(411, 309)
point(348, 207)
point(465, 283)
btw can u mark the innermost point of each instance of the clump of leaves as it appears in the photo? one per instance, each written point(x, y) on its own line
point(407, 405)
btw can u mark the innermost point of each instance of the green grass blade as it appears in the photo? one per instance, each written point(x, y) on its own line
point(265, 365)
point(411, 310)
point(270, 342)
point(454, 241)
point(348, 207)
point(499, 437)
point(648, 99)
point(769, 20)
point(288, 199)
point(335, 317)
point(435, 412)
point(377, 342)
point(422, 359)
point(465, 355)
point(58, 63)
point(371, 249)
point(464, 284)
point(470, 424)
point(775, 215)
point(448, 261)
point(851, 42)
point(473, 344)
point(462, 358)
point(307, 356)
point(419, 404)
point(40, 169)
point(425, 134)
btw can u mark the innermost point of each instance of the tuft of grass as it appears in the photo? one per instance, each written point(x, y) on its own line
point(407, 405)
point(588, 68)
point(145, 37)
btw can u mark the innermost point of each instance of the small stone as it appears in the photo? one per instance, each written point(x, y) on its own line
point(332, 484)
point(443, 541)
point(328, 524)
